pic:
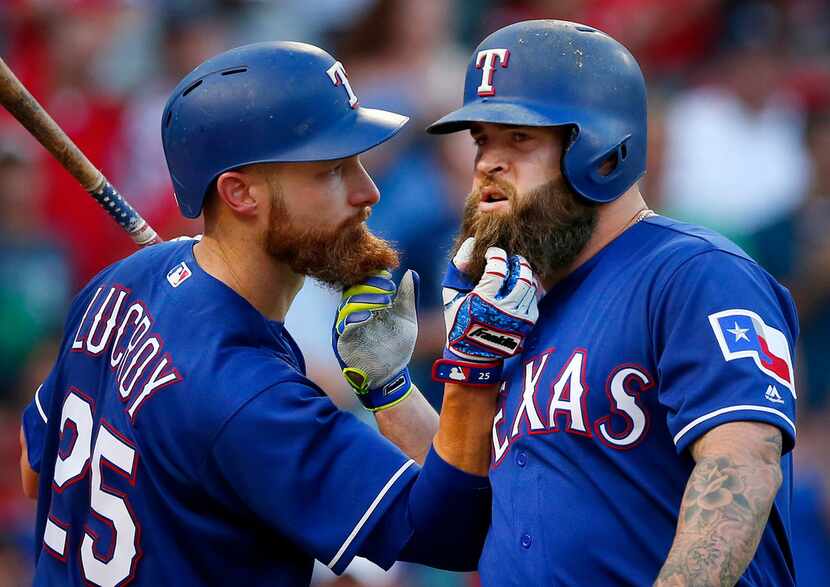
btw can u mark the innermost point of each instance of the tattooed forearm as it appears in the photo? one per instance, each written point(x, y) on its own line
point(725, 506)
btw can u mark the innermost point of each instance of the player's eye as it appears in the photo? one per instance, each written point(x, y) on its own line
point(520, 137)
point(336, 170)
point(479, 140)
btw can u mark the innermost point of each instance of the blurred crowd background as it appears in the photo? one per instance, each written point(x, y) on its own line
point(739, 141)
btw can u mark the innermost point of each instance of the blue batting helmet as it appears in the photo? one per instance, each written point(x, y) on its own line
point(266, 102)
point(552, 73)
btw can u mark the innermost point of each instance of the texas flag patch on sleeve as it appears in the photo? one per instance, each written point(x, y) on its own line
point(742, 334)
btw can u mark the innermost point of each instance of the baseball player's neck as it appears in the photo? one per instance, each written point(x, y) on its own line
point(268, 285)
point(612, 220)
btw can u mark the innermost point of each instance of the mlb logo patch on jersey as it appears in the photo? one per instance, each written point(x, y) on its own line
point(178, 274)
point(743, 334)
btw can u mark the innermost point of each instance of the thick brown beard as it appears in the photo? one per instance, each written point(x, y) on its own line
point(548, 225)
point(339, 257)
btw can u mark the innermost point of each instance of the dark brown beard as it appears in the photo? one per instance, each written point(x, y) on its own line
point(548, 225)
point(339, 257)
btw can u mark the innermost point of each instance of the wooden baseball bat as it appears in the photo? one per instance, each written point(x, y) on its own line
point(23, 106)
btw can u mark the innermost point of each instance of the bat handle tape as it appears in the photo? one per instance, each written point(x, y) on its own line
point(125, 215)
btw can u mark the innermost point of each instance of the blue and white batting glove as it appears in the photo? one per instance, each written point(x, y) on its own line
point(374, 336)
point(487, 323)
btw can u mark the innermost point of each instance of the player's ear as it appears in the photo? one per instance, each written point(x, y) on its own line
point(236, 189)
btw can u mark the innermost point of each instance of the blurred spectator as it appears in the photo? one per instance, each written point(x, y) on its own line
point(667, 38)
point(188, 37)
point(796, 250)
point(735, 158)
point(15, 569)
point(652, 183)
point(810, 19)
point(34, 277)
point(16, 510)
point(811, 500)
point(294, 20)
point(55, 54)
point(401, 55)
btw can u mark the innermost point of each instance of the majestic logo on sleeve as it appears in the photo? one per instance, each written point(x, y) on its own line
point(486, 61)
point(337, 75)
point(742, 334)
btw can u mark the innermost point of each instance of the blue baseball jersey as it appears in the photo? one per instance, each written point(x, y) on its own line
point(668, 332)
point(179, 442)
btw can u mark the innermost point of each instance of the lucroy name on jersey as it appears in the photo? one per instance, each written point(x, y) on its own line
point(113, 322)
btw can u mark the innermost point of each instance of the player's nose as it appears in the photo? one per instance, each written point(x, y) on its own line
point(491, 161)
point(363, 191)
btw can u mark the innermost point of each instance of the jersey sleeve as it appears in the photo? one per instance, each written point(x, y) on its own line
point(725, 334)
point(36, 413)
point(446, 515)
point(316, 475)
point(35, 422)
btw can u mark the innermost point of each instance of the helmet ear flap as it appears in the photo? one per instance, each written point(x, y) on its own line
point(600, 173)
point(608, 166)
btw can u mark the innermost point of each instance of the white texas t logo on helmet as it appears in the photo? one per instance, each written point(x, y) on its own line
point(337, 74)
point(486, 60)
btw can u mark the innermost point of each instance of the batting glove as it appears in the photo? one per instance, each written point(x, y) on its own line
point(374, 335)
point(488, 323)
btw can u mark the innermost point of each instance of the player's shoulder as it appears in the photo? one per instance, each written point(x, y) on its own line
point(221, 347)
point(684, 254)
point(157, 260)
point(135, 267)
point(223, 370)
point(691, 258)
point(238, 374)
point(682, 241)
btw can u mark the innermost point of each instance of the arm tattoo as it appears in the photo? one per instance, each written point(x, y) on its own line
point(723, 513)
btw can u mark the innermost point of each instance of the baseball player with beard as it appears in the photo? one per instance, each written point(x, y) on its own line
point(644, 434)
point(177, 439)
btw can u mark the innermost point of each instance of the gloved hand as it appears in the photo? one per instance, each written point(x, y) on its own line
point(486, 323)
point(374, 335)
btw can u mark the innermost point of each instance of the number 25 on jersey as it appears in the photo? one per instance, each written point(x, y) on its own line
point(109, 506)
